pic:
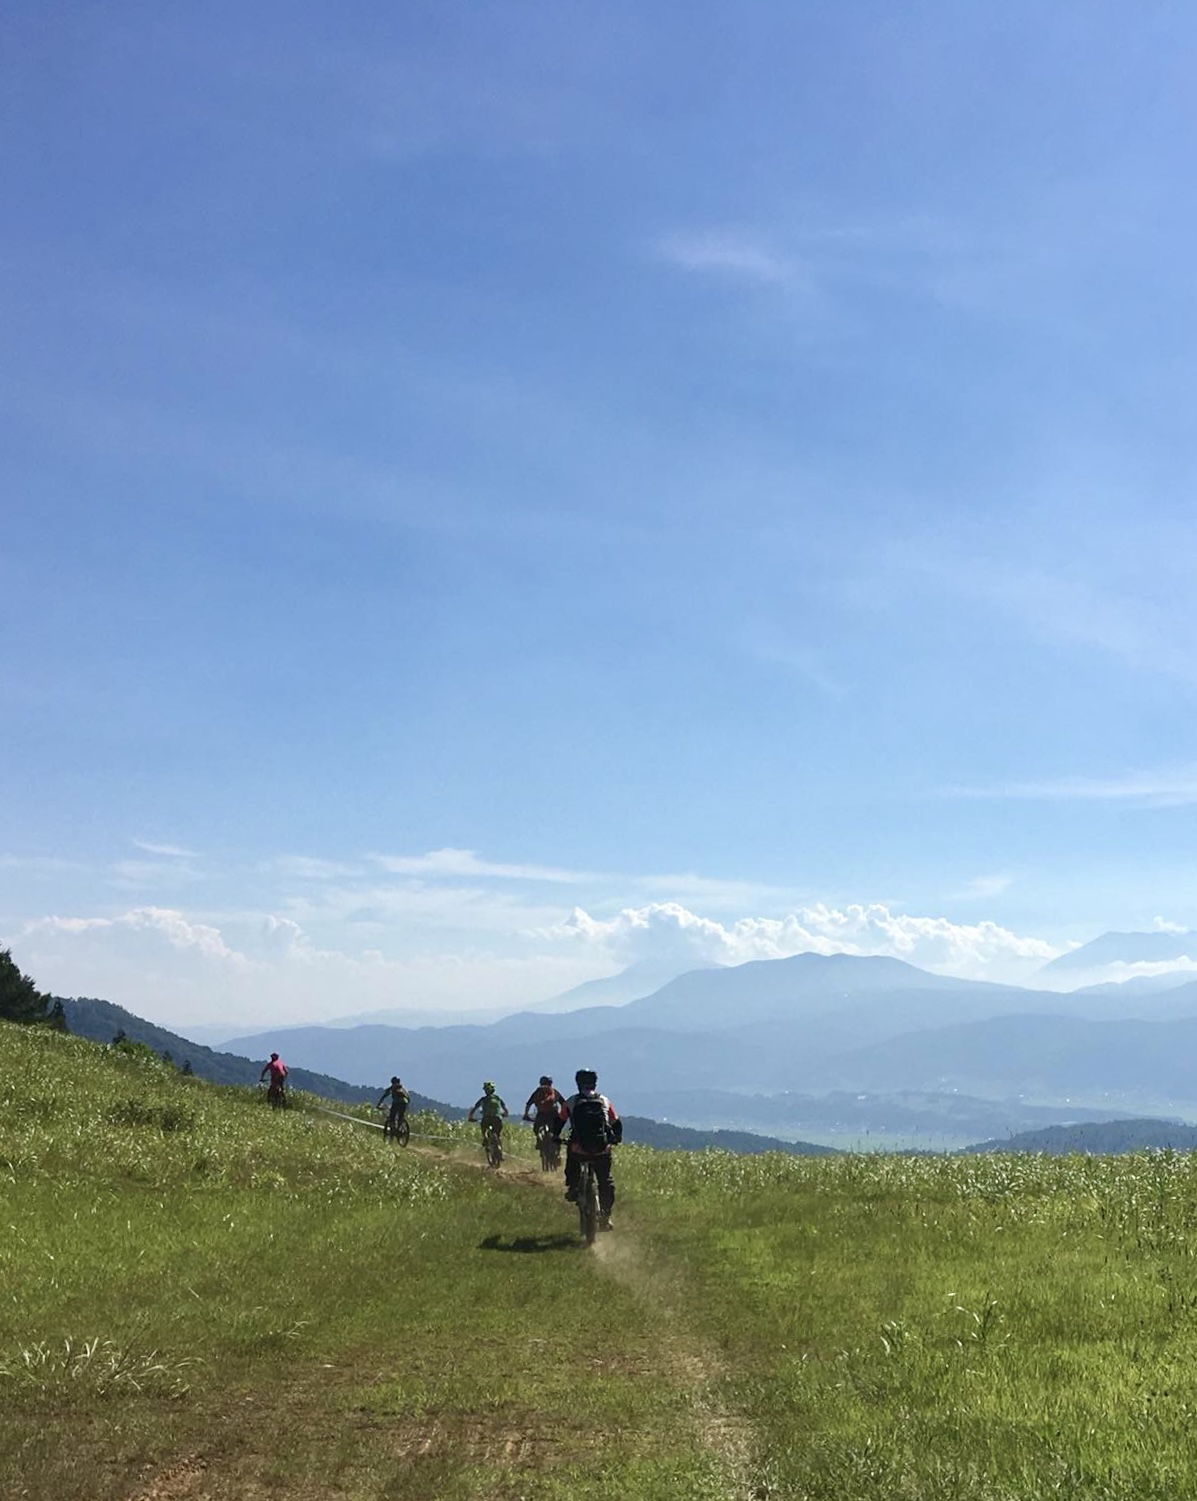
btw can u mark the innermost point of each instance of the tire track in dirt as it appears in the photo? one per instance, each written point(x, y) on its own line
point(726, 1435)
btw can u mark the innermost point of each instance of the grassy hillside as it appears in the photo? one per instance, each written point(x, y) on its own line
point(102, 1020)
point(641, 1131)
point(1098, 1137)
point(203, 1298)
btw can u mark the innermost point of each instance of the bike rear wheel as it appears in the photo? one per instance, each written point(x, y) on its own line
point(402, 1133)
point(549, 1149)
point(588, 1204)
point(494, 1150)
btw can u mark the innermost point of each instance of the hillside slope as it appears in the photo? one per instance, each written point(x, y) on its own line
point(231, 1303)
point(100, 1021)
point(1098, 1138)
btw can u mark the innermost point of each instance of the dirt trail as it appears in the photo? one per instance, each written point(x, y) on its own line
point(726, 1435)
point(692, 1363)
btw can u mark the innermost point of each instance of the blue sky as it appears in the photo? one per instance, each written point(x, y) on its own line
point(730, 467)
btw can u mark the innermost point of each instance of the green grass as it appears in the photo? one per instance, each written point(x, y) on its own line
point(299, 1306)
point(1009, 1327)
point(257, 1304)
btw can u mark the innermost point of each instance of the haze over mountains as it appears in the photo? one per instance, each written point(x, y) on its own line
point(1116, 956)
point(781, 1044)
point(610, 990)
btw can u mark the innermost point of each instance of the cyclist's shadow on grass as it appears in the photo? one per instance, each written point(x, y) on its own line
point(530, 1244)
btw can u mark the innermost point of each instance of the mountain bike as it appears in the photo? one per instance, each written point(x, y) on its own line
point(276, 1096)
point(549, 1147)
point(490, 1140)
point(589, 1214)
point(397, 1128)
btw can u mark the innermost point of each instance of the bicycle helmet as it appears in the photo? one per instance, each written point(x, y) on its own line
point(488, 1088)
point(273, 1057)
point(586, 1078)
point(395, 1079)
point(544, 1079)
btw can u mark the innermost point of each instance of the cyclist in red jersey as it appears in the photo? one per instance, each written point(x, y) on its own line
point(547, 1102)
point(595, 1128)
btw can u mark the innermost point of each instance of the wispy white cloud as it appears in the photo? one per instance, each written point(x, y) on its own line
point(1151, 789)
point(724, 894)
point(980, 888)
point(41, 865)
point(172, 851)
point(129, 874)
point(307, 867)
point(455, 863)
point(729, 252)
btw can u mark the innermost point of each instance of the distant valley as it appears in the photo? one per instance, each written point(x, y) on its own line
point(833, 1048)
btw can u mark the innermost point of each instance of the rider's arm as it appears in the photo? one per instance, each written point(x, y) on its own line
point(562, 1118)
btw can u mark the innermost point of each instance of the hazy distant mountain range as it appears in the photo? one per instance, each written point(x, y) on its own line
point(1105, 1136)
point(1120, 949)
point(101, 1021)
point(610, 990)
point(719, 1047)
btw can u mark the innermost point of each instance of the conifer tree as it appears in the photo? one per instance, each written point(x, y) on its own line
point(20, 999)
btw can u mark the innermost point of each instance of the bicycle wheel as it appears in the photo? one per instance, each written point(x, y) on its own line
point(588, 1204)
point(494, 1151)
point(402, 1132)
point(549, 1151)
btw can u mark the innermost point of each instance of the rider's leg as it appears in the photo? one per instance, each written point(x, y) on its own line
point(606, 1186)
point(573, 1172)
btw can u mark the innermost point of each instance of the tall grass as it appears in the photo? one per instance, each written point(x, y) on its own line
point(979, 1327)
point(294, 1305)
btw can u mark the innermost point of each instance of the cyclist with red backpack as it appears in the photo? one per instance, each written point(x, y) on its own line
point(547, 1101)
point(594, 1129)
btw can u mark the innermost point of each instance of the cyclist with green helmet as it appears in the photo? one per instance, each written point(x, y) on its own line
point(493, 1108)
point(400, 1100)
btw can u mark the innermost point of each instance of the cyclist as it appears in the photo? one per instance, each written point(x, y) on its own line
point(493, 1109)
point(277, 1071)
point(400, 1100)
point(548, 1102)
point(594, 1129)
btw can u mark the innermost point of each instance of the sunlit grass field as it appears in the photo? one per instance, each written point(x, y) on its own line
point(200, 1297)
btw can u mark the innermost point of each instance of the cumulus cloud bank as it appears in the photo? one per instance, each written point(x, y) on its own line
point(309, 962)
point(162, 922)
point(669, 930)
